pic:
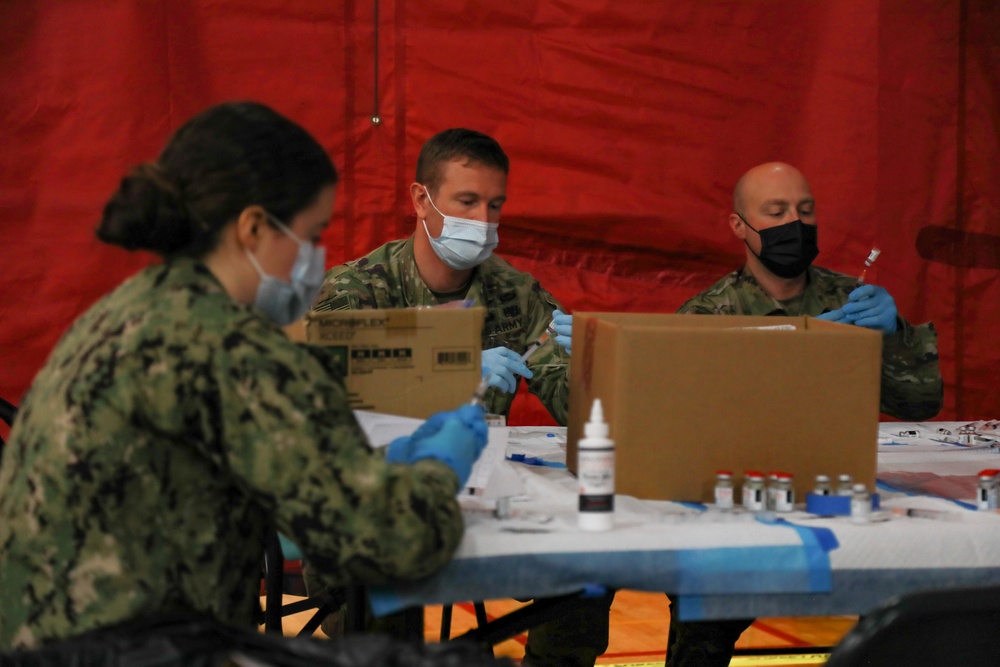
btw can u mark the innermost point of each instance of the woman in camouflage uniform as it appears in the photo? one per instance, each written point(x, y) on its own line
point(174, 423)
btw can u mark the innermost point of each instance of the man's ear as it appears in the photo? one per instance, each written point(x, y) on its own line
point(249, 225)
point(421, 202)
point(738, 226)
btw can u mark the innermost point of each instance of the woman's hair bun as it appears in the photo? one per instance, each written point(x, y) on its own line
point(147, 213)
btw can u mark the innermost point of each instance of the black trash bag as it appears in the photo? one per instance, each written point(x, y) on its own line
point(196, 641)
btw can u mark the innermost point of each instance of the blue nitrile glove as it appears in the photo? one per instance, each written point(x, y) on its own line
point(456, 444)
point(500, 364)
point(835, 316)
point(400, 450)
point(871, 307)
point(563, 325)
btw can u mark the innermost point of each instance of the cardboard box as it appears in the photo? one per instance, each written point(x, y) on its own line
point(406, 361)
point(686, 395)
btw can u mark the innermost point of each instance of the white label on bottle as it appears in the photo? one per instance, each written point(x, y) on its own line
point(596, 472)
point(724, 497)
point(756, 500)
point(783, 500)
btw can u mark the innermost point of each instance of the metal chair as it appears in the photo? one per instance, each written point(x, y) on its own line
point(274, 588)
point(959, 628)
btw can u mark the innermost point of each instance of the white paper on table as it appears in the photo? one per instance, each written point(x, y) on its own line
point(933, 436)
point(382, 429)
point(488, 477)
point(491, 476)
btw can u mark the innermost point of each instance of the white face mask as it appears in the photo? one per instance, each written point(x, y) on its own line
point(463, 243)
point(285, 302)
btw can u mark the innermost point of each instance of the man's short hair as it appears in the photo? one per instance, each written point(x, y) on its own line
point(458, 143)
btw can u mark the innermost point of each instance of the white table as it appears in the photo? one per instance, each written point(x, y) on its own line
point(723, 565)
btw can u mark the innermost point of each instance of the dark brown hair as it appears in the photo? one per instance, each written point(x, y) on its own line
point(454, 144)
point(218, 163)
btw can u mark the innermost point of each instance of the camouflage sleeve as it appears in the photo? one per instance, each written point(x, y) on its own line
point(912, 388)
point(549, 363)
point(345, 288)
point(293, 441)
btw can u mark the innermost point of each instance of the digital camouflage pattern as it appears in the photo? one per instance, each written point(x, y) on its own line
point(168, 430)
point(912, 388)
point(518, 311)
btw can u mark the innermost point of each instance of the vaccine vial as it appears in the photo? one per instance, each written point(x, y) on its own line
point(822, 487)
point(987, 492)
point(724, 489)
point(772, 489)
point(753, 492)
point(502, 510)
point(844, 485)
point(784, 493)
point(861, 504)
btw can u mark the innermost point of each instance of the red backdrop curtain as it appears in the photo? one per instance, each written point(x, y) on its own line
point(627, 123)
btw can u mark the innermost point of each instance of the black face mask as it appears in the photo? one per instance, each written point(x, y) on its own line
point(786, 250)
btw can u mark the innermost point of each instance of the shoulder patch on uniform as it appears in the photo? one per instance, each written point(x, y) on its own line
point(344, 301)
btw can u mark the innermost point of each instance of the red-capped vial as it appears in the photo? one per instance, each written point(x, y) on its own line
point(772, 488)
point(753, 492)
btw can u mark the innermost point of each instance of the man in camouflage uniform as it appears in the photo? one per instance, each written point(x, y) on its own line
point(463, 174)
point(460, 187)
point(774, 216)
point(170, 428)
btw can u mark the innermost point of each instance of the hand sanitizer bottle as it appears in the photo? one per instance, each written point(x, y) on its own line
point(596, 473)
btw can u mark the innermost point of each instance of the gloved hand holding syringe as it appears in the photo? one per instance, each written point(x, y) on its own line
point(867, 306)
point(500, 364)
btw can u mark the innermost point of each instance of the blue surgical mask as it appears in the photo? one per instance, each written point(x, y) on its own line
point(463, 243)
point(286, 302)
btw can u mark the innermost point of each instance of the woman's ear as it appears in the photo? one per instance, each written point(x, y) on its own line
point(249, 224)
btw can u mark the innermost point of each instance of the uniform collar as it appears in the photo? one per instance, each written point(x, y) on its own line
point(808, 303)
point(415, 290)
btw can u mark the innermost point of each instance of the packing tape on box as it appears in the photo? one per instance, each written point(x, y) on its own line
point(402, 321)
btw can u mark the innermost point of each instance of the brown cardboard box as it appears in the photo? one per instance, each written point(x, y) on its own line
point(407, 361)
point(686, 395)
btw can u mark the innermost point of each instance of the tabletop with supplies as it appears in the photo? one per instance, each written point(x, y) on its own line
point(931, 522)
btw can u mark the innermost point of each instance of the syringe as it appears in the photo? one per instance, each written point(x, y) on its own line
point(872, 256)
point(477, 396)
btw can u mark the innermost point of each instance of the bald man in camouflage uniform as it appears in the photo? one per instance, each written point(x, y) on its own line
point(462, 173)
point(774, 215)
point(912, 388)
point(169, 399)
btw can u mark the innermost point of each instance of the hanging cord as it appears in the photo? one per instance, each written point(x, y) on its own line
point(376, 118)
